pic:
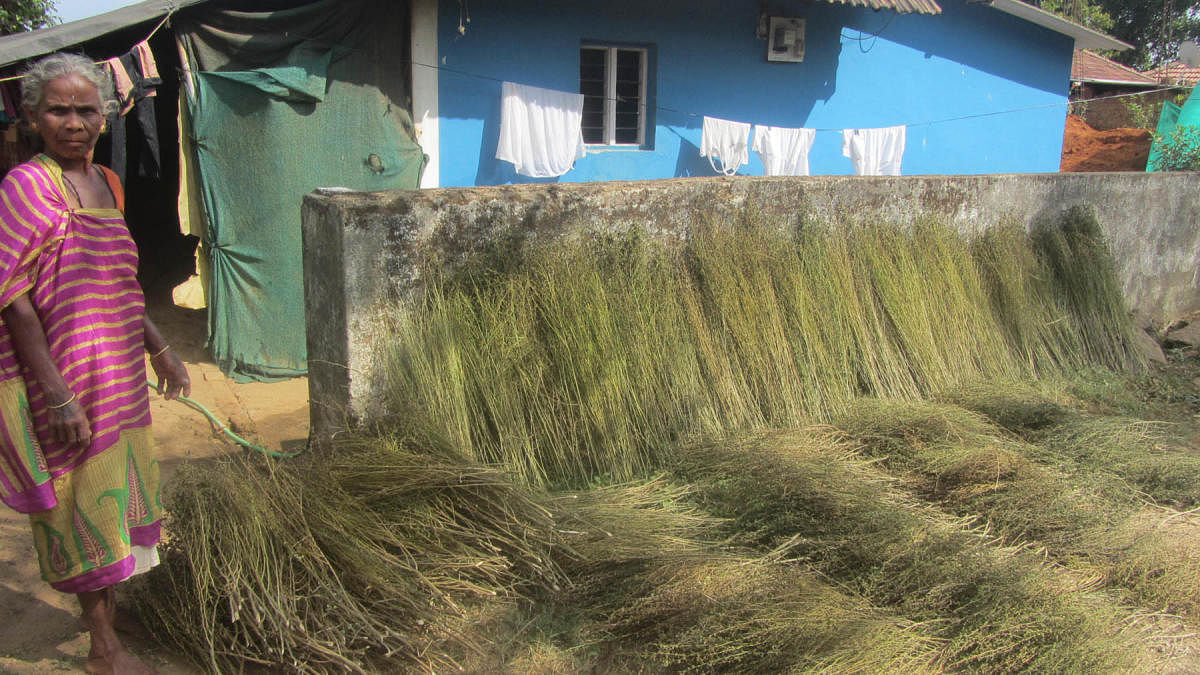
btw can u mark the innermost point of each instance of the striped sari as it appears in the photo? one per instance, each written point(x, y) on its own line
point(94, 510)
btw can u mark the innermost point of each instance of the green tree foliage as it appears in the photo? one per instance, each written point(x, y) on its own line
point(1081, 11)
point(1154, 28)
point(18, 16)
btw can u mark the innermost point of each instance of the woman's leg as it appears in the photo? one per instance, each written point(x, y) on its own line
point(107, 654)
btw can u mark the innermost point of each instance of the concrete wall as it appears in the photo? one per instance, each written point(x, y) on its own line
point(945, 75)
point(361, 250)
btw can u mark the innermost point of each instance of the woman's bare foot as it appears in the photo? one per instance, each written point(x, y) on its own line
point(107, 654)
point(115, 661)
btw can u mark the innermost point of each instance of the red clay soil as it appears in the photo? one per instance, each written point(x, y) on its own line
point(1087, 149)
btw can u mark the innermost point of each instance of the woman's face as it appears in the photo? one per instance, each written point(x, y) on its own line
point(69, 118)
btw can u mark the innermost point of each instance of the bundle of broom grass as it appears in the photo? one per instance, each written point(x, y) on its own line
point(990, 607)
point(596, 356)
point(367, 554)
point(1094, 493)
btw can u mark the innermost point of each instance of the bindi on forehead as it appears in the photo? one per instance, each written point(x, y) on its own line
point(71, 102)
point(71, 90)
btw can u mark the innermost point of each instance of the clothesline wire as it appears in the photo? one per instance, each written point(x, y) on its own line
point(621, 99)
point(1035, 107)
point(171, 8)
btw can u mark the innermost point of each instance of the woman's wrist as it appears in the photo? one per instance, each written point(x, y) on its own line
point(58, 406)
point(155, 353)
point(56, 394)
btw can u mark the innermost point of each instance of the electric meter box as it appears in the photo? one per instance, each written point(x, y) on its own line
point(785, 39)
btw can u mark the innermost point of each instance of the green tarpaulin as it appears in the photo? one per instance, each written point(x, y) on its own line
point(309, 115)
point(1172, 117)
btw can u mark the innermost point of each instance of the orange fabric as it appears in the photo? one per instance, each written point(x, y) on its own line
point(146, 63)
point(123, 84)
point(114, 184)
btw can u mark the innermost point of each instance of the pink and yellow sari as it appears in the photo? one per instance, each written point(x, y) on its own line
point(94, 510)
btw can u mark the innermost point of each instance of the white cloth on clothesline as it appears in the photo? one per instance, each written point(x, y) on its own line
point(874, 152)
point(541, 130)
point(784, 151)
point(726, 141)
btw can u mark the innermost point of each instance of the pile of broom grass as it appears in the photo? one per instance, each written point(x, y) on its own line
point(850, 448)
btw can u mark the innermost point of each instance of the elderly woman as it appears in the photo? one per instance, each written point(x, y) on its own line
point(76, 452)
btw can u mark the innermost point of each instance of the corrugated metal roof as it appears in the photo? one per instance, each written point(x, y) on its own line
point(898, 6)
point(1089, 66)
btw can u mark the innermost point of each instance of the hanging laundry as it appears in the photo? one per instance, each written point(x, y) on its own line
point(875, 152)
point(784, 151)
point(541, 130)
point(146, 64)
point(135, 76)
point(122, 83)
point(726, 141)
point(9, 112)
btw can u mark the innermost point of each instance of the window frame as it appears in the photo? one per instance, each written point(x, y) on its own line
point(611, 51)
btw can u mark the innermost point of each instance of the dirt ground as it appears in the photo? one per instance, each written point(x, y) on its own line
point(1088, 149)
point(40, 630)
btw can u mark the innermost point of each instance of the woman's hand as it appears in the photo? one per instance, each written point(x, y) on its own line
point(68, 424)
point(173, 380)
point(64, 414)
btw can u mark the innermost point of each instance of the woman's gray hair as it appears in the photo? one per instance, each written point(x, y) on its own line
point(37, 76)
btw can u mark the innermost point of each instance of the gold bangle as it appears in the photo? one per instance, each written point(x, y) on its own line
point(159, 353)
point(63, 404)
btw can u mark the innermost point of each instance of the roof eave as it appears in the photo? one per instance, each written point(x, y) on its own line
point(22, 46)
point(1085, 38)
point(1124, 83)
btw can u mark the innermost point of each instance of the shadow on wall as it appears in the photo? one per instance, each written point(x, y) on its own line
point(815, 78)
point(689, 162)
point(956, 41)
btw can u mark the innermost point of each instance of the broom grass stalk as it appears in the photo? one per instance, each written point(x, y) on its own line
point(599, 353)
point(1067, 493)
point(994, 608)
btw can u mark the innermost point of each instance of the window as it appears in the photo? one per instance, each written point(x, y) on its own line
point(613, 83)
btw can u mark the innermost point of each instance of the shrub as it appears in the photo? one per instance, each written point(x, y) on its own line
point(1178, 150)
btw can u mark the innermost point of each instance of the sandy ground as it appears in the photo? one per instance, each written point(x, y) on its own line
point(1088, 149)
point(39, 628)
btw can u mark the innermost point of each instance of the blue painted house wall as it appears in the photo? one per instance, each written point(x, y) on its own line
point(921, 70)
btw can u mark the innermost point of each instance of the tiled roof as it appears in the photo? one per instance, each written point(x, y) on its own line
point(1176, 72)
point(1088, 66)
point(898, 6)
